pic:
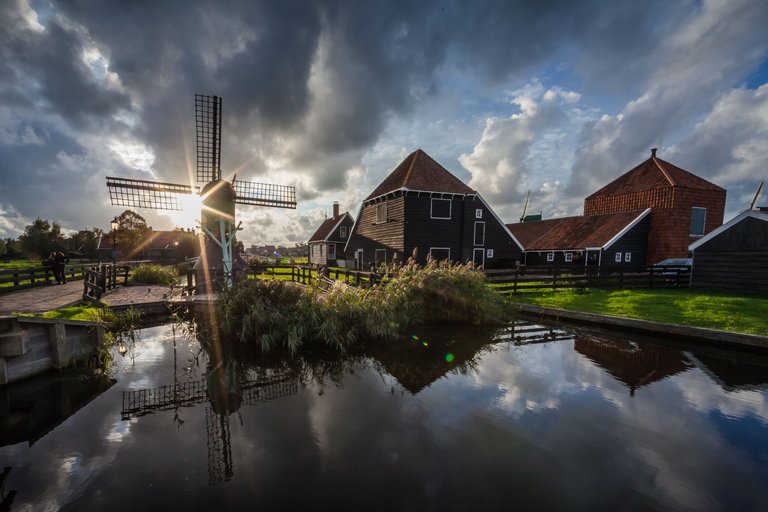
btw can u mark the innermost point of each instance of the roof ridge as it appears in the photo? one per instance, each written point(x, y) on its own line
point(664, 171)
point(410, 169)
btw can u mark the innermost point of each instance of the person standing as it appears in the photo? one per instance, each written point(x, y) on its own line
point(59, 263)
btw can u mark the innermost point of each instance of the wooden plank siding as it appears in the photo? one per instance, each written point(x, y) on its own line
point(318, 250)
point(369, 235)
point(736, 259)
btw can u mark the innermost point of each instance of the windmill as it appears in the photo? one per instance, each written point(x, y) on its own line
point(219, 197)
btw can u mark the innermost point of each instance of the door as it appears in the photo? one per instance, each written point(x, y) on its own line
point(359, 259)
point(478, 257)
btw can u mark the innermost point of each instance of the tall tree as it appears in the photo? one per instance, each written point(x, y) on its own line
point(41, 238)
point(132, 234)
point(12, 249)
point(85, 241)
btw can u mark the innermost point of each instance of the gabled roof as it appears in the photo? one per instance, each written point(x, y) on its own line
point(652, 174)
point(327, 227)
point(755, 214)
point(573, 233)
point(419, 171)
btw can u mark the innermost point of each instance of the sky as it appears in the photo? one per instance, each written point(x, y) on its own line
point(555, 97)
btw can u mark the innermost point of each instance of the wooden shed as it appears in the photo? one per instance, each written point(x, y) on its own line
point(326, 245)
point(734, 256)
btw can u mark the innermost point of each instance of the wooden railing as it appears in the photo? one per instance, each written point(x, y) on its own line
point(308, 275)
point(21, 278)
point(100, 278)
point(551, 278)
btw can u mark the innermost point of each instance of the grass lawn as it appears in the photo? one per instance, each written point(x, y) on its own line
point(699, 308)
point(84, 312)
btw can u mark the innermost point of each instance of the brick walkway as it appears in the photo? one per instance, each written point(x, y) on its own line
point(55, 296)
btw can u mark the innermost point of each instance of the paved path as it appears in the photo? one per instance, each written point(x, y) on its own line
point(56, 296)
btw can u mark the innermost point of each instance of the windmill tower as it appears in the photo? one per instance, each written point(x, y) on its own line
point(216, 267)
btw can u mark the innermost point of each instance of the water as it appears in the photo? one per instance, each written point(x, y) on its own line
point(531, 418)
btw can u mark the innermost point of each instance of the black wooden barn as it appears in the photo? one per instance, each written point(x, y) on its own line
point(326, 246)
point(734, 256)
point(422, 207)
point(613, 239)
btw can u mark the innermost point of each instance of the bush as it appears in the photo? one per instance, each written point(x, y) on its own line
point(282, 315)
point(154, 274)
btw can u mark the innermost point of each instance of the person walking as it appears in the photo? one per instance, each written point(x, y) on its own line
point(50, 262)
point(59, 263)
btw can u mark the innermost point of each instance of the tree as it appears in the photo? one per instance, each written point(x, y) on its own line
point(12, 249)
point(132, 233)
point(187, 245)
point(41, 238)
point(85, 241)
point(2, 247)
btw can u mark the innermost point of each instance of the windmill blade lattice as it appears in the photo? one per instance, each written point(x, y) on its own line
point(264, 194)
point(208, 130)
point(146, 194)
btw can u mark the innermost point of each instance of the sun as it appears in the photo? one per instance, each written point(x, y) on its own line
point(189, 216)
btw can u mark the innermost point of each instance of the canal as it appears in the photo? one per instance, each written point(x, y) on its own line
point(527, 417)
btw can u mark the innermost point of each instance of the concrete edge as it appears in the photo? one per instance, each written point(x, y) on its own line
point(688, 333)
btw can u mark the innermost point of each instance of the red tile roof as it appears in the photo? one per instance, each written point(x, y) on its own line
point(651, 174)
point(326, 227)
point(571, 232)
point(419, 171)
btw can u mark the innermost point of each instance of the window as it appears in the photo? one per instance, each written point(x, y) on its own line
point(698, 219)
point(381, 256)
point(627, 257)
point(569, 257)
point(489, 253)
point(441, 209)
point(479, 233)
point(479, 213)
point(440, 253)
point(617, 258)
point(331, 251)
point(343, 232)
point(381, 213)
point(550, 256)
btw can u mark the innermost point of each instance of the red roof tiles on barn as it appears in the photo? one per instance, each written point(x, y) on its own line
point(419, 171)
point(652, 174)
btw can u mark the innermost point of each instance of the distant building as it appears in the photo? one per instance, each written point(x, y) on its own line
point(421, 207)
point(160, 245)
point(326, 245)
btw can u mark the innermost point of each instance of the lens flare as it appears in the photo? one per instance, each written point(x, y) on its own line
point(449, 357)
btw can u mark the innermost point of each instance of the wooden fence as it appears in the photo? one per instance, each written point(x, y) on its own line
point(552, 278)
point(307, 275)
point(21, 278)
point(100, 278)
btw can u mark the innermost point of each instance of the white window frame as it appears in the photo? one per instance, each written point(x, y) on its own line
point(359, 257)
point(550, 257)
point(331, 251)
point(474, 234)
point(627, 257)
point(617, 258)
point(431, 208)
point(489, 253)
point(381, 207)
point(479, 213)
point(703, 223)
point(441, 249)
point(343, 232)
point(569, 257)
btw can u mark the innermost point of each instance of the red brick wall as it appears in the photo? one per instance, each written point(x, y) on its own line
point(669, 232)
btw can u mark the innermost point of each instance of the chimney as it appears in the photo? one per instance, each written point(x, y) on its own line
point(653, 152)
point(335, 208)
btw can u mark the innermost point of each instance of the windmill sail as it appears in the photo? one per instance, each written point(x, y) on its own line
point(146, 194)
point(208, 130)
point(264, 194)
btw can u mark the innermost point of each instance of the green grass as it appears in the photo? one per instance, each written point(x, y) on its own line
point(154, 274)
point(85, 312)
point(698, 308)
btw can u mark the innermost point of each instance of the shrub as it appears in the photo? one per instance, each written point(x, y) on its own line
point(154, 274)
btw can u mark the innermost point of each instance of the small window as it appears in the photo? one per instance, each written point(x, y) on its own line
point(550, 256)
point(617, 258)
point(627, 257)
point(479, 233)
point(381, 212)
point(381, 256)
point(479, 213)
point(440, 253)
point(569, 257)
point(698, 219)
point(489, 253)
point(343, 232)
point(441, 209)
point(331, 251)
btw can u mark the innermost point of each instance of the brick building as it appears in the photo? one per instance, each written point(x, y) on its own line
point(683, 206)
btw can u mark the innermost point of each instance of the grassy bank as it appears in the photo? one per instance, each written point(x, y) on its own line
point(709, 309)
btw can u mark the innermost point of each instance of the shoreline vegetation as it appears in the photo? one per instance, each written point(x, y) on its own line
point(284, 316)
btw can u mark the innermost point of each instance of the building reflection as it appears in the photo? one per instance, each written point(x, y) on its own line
point(633, 364)
point(733, 371)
